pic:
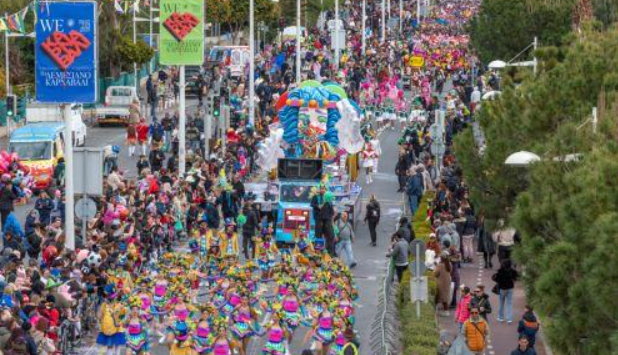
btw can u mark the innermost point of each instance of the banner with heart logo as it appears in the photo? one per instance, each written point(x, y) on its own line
point(182, 32)
point(66, 52)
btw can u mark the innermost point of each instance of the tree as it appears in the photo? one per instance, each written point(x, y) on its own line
point(503, 28)
point(139, 52)
point(565, 212)
point(235, 13)
point(309, 9)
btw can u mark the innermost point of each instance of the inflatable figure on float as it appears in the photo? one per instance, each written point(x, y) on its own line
point(315, 121)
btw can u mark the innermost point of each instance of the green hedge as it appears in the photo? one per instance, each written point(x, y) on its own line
point(419, 337)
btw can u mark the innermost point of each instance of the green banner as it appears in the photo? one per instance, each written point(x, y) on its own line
point(181, 36)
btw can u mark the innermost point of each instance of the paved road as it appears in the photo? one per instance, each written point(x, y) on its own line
point(371, 260)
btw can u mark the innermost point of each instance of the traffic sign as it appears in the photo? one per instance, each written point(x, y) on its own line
point(85, 208)
point(418, 250)
point(419, 289)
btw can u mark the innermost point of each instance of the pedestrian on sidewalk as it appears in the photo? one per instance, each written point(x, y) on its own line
point(523, 347)
point(400, 251)
point(529, 326)
point(401, 170)
point(481, 300)
point(469, 230)
point(454, 257)
point(443, 283)
point(344, 239)
point(476, 332)
point(414, 190)
point(463, 308)
point(505, 239)
point(486, 243)
point(372, 217)
point(505, 278)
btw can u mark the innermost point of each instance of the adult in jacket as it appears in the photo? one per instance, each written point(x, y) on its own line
point(44, 205)
point(401, 170)
point(505, 278)
point(523, 347)
point(485, 243)
point(7, 200)
point(372, 217)
point(249, 228)
point(323, 214)
point(414, 190)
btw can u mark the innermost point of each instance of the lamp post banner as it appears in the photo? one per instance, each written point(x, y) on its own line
point(66, 52)
point(181, 32)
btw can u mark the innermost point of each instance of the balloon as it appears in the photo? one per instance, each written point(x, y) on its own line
point(337, 90)
point(310, 84)
point(288, 102)
point(283, 100)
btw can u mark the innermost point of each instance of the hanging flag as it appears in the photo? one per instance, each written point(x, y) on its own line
point(118, 7)
point(135, 7)
point(3, 26)
point(126, 6)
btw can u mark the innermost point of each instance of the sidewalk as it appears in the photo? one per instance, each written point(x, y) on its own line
point(503, 336)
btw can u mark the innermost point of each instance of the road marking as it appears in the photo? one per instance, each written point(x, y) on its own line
point(367, 278)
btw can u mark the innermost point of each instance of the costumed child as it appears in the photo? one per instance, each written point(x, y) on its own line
point(322, 330)
point(111, 334)
point(160, 301)
point(138, 339)
point(370, 157)
point(229, 240)
point(292, 314)
point(266, 252)
point(276, 335)
point(244, 321)
point(203, 337)
point(179, 330)
point(222, 345)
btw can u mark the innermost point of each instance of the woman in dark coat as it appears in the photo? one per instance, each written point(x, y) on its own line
point(485, 244)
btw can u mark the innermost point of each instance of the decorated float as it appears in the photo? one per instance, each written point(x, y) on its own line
point(314, 144)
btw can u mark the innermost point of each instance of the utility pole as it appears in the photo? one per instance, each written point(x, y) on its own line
point(383, 21)
point(252, 62)
point(182, 147)
point(337, 35)
point(400, 17)
point(69, 199)
point(7, 80)
point(364, 35)
point(298, 63)
point(134, 42)
point(418, 12)
point(150, 30)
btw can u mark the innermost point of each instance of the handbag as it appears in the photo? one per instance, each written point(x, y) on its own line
point(495, 289)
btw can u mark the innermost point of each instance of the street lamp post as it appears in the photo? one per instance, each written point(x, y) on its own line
point(134, 42)
point(364, 35)
point(337, 49)
point(298, 42)
point(69, 191)
point(383, 21)
point(182, 147)
point(252, 62)
point(400, 16)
